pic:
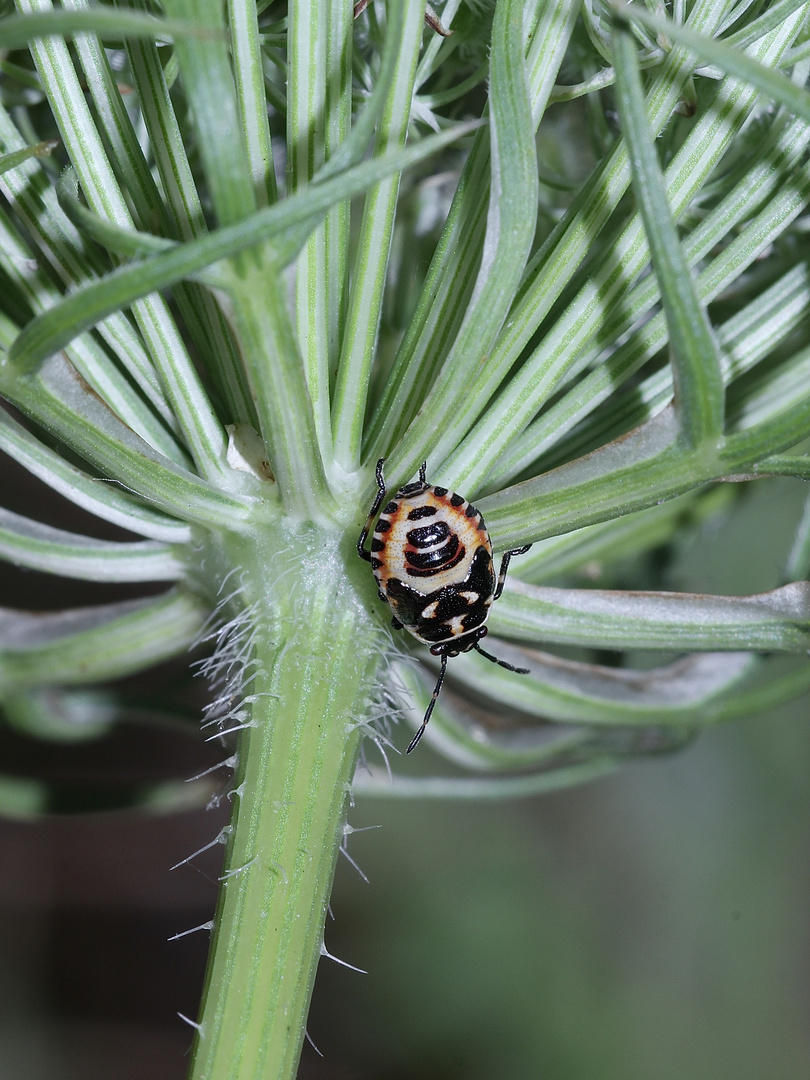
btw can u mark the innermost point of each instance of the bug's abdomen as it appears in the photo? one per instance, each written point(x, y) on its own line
point(427, 540)
point(432, 548)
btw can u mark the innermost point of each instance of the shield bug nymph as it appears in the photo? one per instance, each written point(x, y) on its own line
point(432, 559)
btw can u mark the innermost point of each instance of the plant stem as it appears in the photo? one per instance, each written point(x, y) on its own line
point(314, 651)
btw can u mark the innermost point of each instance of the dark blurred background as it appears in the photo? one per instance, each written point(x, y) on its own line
point(654, 925)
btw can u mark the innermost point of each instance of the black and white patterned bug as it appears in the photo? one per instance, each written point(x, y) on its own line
point(432, 558)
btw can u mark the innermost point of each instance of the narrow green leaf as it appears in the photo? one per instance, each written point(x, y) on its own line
point(86, 645)
point(775, 313)
point(447, 411)
point(116, 123)
point(774, 621)
point(251, 99)
point(37, 293)
point(446, 292)
point(764, 23)
point(208, 82)
point(202, 315)
point(744, 450)
point(287, 223)
point(105, 500)
point(584, 553)
point(765, 689)
point(772, 83)
point(34, 200)
point(17, 157)
point(29, 543)
point(380, 785)
point(127, 242)
point(319, 107)
point(571, 243)
point(60, 402)
point(460, 731)
point(682, 693)
point(699, 397)
point(17, 30)
point(785, 465)
point(191, 405)
point(371, 261)
point(769, 391)
point(354, 148)
point(634, 472)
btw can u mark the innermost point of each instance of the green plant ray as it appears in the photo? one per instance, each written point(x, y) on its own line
point(730, 59)
point(540, 374)
point(57, 400)
point(513, 208)
point(451, 277)
point(772, 621)
point(40, 547)
point(96, 497)
point(19, 30)
point(372, 259)
point(698, 385)
point(91, 644)
point(192, 408)
point(295, 216)
point(318, 121)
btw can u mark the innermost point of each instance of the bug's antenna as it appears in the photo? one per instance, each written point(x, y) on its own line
point(422, 472)
point(501, 663)
point(415, 740)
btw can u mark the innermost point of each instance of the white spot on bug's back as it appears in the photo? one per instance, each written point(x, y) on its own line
point(454, 627)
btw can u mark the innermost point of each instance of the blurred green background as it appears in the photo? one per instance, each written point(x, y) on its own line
point(654, 925)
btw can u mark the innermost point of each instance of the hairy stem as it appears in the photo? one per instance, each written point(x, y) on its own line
point(313, 655)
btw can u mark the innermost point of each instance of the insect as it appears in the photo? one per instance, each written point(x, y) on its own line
point(432, 558)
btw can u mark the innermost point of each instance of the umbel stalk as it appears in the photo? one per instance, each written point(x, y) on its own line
point(307, 685)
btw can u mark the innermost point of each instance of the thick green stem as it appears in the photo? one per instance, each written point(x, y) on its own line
point(315, 654)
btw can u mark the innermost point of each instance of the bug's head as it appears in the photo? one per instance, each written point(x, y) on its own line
point(460, 644)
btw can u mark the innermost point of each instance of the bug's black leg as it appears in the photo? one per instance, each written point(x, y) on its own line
point(501, 663)
point(414, 741)
point(422, 471)
point(378, 501)
point(395, 623)
point(505, 566)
